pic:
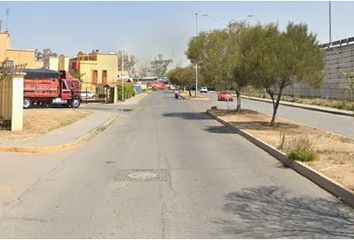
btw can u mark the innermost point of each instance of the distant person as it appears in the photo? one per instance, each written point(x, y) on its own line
point(176, 94)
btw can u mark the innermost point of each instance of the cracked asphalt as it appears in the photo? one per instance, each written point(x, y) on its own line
point(164, 170)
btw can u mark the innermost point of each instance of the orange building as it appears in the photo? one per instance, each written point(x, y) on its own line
point(17, 56)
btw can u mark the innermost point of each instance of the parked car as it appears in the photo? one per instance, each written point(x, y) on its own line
point(225, 96)
point(87, 95)
point(203, 90)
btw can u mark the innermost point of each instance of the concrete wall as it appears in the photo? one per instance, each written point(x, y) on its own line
point(11, 101)
point(63, 64)
point(53, 63)
point(337, 60)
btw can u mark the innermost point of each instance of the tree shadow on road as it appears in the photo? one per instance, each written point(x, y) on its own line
point(269, 212)
point(219, 129)
point(188, 115)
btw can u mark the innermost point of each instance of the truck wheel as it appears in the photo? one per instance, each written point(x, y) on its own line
point(76, 103)
point(27, 103)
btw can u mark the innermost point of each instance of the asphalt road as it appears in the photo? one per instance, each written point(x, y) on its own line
point(340, 124)
point(166, 170)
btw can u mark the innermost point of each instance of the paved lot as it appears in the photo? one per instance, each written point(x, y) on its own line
point(164, 170)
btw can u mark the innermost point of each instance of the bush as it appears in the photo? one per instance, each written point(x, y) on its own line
point(302, 155)
point(128, 90)
point(300, 148)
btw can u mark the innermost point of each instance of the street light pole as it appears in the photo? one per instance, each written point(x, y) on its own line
point(123, 97)
point(330, 23)
point(196, 64)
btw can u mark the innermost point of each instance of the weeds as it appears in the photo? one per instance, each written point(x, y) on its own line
point(300, 148)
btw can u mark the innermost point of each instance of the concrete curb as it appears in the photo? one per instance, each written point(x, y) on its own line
point(334, 111)
point(324, 182)
point(62, 147)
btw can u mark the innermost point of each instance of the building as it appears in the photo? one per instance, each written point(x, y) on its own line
point(60, 63)
point(96, 70)
point(17, 56)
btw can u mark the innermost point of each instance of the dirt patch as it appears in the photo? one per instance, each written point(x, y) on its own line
point(335, 152)
point(37, 122)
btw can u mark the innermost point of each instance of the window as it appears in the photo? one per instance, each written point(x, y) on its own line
point(104, 76)
point(94, 77)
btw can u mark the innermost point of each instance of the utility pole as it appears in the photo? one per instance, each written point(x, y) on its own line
point(123, 97)
point(196, 64)
point(7, 19)
point(330, 23)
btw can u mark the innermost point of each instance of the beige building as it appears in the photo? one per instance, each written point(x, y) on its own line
point(60, 63)
point(96, 70)
point(17, 56)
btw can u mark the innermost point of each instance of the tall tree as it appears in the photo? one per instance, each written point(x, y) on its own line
point(44, 56)
point(144, 71)
point(159, 66)
point(129, 63)
point(183, 77)
point(274, 60)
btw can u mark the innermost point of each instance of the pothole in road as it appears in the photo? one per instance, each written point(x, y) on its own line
point(143, 175)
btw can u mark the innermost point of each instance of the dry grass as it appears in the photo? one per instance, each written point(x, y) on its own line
point(335, 153)
point(40, 121)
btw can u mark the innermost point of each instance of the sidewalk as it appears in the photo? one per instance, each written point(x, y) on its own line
point(63, 138)
point(133, 100)
point(71, 136)
point(304, 106)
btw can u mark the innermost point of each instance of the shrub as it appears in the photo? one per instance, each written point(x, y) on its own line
point(128, 90)
point(302, 155)
point(300, 148)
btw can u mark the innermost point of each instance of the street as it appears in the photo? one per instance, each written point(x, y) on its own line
point(343, 125)
point(167, 170)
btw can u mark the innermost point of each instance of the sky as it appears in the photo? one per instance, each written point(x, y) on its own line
point(146, 29)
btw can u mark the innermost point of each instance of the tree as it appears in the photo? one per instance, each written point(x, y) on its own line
point(129, 63)
point(144, 71)
point(217, 53)
point(349, 76)
point(44, 56)
point(274, 60)
point(159, 66)
point(183, 77)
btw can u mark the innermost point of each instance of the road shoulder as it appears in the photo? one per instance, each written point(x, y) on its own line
point(320, 179)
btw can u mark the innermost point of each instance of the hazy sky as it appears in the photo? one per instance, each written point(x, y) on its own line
point(149, 28)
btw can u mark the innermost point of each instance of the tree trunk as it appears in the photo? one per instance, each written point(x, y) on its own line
point(238, 95)
point(276, 103)
point(275, 109)
point(189, 90)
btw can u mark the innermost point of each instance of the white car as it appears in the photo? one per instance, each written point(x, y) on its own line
point(203, 90)
point(87, 95)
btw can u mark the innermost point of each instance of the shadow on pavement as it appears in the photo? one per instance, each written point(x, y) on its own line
point(264, 125)
point(188, 115)
point(268, 212)
point(219, 129)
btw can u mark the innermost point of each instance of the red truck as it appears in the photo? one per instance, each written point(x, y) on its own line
point(42, 86)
